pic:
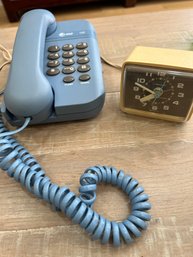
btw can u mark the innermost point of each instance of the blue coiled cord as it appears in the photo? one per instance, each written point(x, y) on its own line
point(16, 161)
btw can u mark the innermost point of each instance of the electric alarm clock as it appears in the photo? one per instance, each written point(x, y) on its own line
point(158, 83)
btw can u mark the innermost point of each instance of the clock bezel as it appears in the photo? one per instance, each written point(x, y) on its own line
point(150, 114)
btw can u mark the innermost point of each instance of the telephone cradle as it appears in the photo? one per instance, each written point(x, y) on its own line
point(56, 75)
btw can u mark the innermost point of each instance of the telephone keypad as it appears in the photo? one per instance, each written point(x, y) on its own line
point(53, 49)
point(82, 45)
point(53, 71)
point(53, 63)
point(53, 56)
point(70, 59)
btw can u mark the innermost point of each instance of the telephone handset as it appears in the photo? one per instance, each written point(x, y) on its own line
point(56, 72)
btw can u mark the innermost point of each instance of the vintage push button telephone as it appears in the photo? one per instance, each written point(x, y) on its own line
point(56, 75)
point(56, 71)
point(158, 83)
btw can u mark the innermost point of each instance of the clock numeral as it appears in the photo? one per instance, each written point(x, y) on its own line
point(135, 88)
point(154, 108)
point(176, 102)
point(137, 97)
point(148, 74)
point(141, 80)
point(166, 107)
point(180, 94)
point(161, 74)
point(180, 85)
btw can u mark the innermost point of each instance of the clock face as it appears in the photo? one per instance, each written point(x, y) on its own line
point(158, 91)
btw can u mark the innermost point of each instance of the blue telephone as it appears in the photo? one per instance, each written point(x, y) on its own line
point(56, 72)
point(55, 76)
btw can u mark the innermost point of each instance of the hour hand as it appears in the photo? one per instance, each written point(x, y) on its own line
point(147, 98)
point(145, 88)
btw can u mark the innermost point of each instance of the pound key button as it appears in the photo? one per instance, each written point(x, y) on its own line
point(68, 79)
point(84, 77)
point(53, 49)
point(53, 72)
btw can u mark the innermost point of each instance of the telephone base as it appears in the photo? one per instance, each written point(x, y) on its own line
point(87, 114)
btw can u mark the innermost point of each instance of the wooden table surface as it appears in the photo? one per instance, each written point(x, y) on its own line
point(159, 154)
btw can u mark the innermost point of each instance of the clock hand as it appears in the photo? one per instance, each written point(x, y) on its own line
point(154, 101)
point(147, 98)
point(164, 83)
point(145, 88)
point(167, 90)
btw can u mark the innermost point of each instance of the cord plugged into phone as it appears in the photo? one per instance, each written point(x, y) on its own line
point(56, 75)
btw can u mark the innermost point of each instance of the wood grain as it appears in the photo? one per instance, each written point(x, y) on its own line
point(157, 153)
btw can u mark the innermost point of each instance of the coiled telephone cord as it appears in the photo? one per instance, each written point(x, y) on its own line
point(16, 161)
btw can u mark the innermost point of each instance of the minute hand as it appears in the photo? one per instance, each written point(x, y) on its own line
point(145, 88)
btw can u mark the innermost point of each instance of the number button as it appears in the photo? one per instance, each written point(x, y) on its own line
point(68, 70)
point(67, 54)
point(68, 79)
point(84, 77)
point(83, 60)
point(53, 72)
point(82, 52)
point(53, 49)
point(84, 68)
point(53, 63)
point(67, 47)
point(67, 62)
point(53, 56)
point(81, 45)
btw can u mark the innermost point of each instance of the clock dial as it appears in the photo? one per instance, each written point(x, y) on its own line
point(158, 90)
